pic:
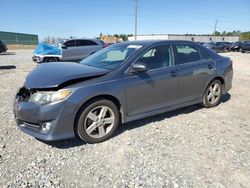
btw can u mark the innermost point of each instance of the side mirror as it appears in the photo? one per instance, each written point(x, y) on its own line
point(139, 67)
point(63, 46)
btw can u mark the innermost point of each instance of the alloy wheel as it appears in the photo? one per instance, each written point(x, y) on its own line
point(99, 121)
point(214, 93)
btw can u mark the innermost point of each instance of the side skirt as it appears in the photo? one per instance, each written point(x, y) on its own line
point(127, 119)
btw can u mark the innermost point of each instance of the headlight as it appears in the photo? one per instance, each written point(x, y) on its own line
point(45, 97)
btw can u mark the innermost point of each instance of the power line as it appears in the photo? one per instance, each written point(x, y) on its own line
point(61, 13)
point(183, 12)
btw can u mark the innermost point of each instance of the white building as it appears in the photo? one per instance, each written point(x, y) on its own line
point(197, 38)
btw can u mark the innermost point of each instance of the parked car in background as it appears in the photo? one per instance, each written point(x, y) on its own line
point(245, 47)
point(108, 44)
point(201, 43)
point(3, 47)
point(70, 50)
point(236, 46)
point(118, 84)
point(218, 46)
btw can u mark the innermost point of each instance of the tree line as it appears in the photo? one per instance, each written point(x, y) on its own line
point(243, 35)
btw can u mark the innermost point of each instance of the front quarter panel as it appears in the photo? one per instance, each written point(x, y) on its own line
point(84, 93)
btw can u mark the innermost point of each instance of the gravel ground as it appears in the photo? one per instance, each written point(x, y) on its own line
point(189, 147)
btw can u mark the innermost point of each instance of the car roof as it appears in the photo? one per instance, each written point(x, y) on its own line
point(154, 42)
point(81, 39)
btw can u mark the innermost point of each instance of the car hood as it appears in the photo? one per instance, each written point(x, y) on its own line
point(54, 75)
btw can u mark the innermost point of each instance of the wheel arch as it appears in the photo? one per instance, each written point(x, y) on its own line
point(222, 81)
point(113, 99)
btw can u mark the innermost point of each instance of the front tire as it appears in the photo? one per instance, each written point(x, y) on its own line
point(212, 95)
point(97, 121)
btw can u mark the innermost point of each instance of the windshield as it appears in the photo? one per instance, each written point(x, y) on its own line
point(112, 57)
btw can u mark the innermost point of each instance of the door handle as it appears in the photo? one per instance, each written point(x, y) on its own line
point(210, 66)
point(173, 73)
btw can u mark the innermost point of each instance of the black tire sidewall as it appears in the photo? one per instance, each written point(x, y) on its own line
point(206, 103)
point(81, 132)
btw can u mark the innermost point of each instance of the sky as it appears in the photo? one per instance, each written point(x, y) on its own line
point(89, 18)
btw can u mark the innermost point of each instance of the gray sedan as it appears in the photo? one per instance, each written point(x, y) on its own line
point(118, 84)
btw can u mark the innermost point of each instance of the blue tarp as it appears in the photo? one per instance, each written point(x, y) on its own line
point(45, 49)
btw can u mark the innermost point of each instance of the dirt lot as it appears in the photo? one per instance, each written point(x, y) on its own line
point(190, 147)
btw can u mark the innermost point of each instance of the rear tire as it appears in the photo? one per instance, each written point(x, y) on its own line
point(97, 121)
point(212, 95)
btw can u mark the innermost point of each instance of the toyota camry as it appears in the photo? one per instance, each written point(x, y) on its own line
point(119, 84)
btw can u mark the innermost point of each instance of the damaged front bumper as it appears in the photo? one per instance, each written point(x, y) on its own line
point(37, 59)
point(49, 122)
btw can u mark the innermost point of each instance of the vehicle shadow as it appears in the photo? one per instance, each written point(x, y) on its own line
point(156, 118)
point(65, 144)
point(7, 67)
point(225, 98)
point(8, 53)
point(75, 142)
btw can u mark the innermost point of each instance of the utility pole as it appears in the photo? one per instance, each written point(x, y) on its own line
point(136, 19)
point(215, 26)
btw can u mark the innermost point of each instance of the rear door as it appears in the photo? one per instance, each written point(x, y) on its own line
point(196, 68)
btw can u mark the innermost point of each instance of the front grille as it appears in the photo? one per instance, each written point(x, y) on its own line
point(23, 94)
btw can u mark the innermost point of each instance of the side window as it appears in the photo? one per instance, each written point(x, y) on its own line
point(187, 53)
point(204, 55)
point(158, 57)
point(149, 53)
point(85, 43)
point(81, 43)
point(91, 43)
point(70, 43)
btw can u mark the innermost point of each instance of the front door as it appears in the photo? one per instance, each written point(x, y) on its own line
point(155, 88)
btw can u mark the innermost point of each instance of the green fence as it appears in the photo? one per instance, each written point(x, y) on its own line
point(18, 38)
